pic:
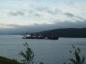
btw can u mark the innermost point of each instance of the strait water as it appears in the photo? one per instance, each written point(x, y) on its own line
point(47, 51)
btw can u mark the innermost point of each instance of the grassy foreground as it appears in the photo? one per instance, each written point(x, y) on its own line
point(4, 60)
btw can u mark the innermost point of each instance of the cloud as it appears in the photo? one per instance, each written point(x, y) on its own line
point(41, 27)
point(36, 11)
point(8, 26)
point(37, 15)
point(16, 13)
point(69, 14)
point(46, 14)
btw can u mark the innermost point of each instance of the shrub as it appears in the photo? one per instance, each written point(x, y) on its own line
point(28, 55)
point(76, 58)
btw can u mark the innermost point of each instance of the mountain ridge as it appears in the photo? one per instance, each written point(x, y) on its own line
point(66, 32)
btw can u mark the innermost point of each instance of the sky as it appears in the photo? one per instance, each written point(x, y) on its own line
point(38, 14)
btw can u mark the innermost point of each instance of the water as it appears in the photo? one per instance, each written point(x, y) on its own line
point(47, 51)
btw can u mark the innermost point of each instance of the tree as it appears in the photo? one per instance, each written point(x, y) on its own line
point(28, 55)
point(76, 58)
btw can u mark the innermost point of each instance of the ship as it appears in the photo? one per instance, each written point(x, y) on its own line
point(33, 37)
point(40, 36)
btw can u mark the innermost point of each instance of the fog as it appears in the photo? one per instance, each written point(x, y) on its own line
point(42, 27)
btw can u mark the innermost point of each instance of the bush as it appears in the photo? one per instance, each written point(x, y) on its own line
point(77, 58)
point(28, 55)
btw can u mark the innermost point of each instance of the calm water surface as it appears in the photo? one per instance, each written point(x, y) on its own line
point(47, 51)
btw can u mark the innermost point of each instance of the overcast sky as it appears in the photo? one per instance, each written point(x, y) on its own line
point(21, 14)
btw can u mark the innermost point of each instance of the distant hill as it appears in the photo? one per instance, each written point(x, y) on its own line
point(66, 32)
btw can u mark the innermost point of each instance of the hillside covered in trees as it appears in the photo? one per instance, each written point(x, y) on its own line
point(65, 32)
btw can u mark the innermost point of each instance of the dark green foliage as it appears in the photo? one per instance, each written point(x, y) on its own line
point(66, 32)
point(77, 58)
point(4, 60)
point(28, 54)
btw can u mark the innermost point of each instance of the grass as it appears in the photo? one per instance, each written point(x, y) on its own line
point(4, 60)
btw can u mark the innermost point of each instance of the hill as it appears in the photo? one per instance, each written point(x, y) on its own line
point(66, 32)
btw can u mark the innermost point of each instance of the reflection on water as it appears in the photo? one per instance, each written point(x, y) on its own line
point(47, 51)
